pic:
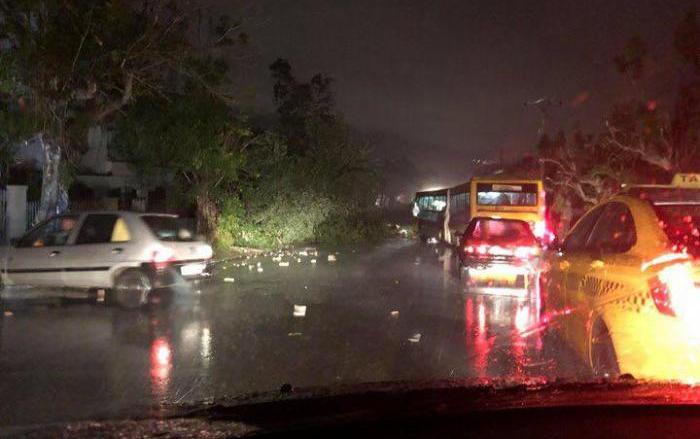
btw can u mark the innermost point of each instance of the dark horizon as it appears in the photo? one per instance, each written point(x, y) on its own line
point(455, 77)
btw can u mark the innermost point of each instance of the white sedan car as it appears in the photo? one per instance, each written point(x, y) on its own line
point(127, 254)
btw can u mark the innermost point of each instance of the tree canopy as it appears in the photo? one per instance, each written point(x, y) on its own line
point(645, 138)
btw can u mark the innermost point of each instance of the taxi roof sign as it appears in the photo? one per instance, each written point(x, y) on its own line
point(686, 180)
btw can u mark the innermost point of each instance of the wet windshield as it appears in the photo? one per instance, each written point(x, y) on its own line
point(680, 223)
point(207, 201)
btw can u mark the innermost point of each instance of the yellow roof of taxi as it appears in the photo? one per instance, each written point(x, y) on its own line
point(680, 180)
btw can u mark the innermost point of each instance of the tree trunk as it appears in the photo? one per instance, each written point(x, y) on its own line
point(207, 214)
point(49, 184)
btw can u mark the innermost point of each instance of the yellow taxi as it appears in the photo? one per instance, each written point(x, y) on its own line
point(625, 284)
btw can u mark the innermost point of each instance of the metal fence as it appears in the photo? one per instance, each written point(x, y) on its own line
point(3, 216)
point(32, 209)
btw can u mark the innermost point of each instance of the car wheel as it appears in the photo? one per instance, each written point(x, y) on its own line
point(603, 358)
point(132, 289)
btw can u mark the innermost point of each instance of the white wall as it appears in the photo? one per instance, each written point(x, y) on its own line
point(16, 197)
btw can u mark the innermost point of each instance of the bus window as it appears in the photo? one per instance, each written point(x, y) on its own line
point(434, 203)
point(506, 194)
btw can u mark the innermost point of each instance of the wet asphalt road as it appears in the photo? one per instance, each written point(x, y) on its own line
point(393, 312)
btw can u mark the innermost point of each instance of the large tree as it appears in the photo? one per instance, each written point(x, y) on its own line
point(196, 139)
point(301, 106)
point(78, 63)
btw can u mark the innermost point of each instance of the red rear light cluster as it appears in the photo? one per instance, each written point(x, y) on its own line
point(162, 258)
point(521, 252)
point(661, 296)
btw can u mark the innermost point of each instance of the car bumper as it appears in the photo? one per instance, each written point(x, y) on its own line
point(654, 346)
point(180, 272)
point(503, 277)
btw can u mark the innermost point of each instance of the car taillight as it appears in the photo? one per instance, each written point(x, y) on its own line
point(539, 229)
point(661, 297)
point(524, 252)
point(521, 252)
point(480, 249)
point(162, 257)
point(674, 293)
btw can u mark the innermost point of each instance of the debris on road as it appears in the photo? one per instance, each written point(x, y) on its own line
point(331, 258)
point(250, 267)
point(260, 269)
point(229, 279)
point(293, 334)
point(277, 258)
point(394, 313)
point(284, 264)
point(313, 261)
point(8, 313)
point(299, 310)
point(415, 338)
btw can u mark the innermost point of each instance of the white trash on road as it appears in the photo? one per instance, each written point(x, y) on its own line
point(299, 310)
point(332, 258)
point(284, 264)
point(229, 279)
point(415, 338)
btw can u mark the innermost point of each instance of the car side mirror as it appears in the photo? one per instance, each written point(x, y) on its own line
point(597, 252)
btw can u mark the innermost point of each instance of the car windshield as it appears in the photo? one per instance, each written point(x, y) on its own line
point(502, 232)
point(212, 202)
point(168, 228)
point(680, 222)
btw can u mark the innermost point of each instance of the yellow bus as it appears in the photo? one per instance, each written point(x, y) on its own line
point(509, 198)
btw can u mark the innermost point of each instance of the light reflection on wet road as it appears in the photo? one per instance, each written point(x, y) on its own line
point(394, 312)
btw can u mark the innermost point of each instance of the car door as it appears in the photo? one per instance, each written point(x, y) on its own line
point(102, 241)
point(38, 257)
point(610, 269)
point(568, 256)
point(565, 268)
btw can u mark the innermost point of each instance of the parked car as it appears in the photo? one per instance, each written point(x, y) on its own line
point(499, 256)
point(127, 254)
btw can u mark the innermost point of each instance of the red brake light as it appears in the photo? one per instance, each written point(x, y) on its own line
point(524, 252)
point(479, 249)
point(661, 296)
point(162, 258)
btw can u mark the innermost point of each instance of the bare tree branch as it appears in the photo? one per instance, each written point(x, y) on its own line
point(118, 103)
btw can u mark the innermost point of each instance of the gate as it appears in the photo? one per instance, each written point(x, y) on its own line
point(32, 210)
point(3, 216)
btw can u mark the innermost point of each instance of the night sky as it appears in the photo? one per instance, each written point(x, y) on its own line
point(444, 82)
